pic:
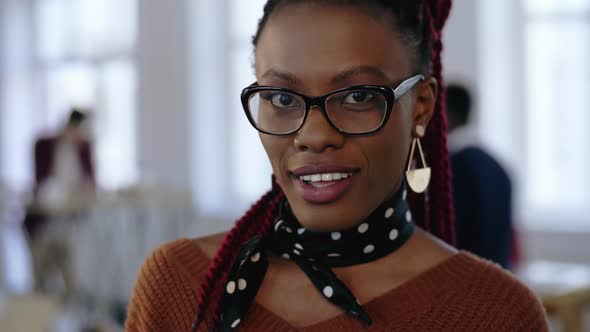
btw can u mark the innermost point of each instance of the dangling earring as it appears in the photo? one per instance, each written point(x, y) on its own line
point(419, 178)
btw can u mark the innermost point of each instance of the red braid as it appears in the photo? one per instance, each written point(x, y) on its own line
point(257, 221)
point(439, 198)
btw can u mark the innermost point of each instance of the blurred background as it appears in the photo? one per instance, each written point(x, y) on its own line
point(163, 144)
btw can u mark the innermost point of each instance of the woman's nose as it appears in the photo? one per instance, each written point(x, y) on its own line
point(317, 134)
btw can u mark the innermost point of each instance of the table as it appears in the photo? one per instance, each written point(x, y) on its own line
point(564, 290)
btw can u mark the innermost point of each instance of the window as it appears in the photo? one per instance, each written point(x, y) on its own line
point(230, 164)
point(557, 78)
point(251, 170)
point(534, 80)
point(84, 57)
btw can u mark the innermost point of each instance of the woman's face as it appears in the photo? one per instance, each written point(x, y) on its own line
point(315, 49)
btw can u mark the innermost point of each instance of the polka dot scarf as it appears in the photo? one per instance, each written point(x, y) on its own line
point(384, 231)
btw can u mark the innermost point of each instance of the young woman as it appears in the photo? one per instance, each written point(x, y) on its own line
point(345, 92)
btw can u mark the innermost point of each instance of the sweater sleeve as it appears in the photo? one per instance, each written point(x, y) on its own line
point(523, 311)
point(530, 315)
point(164, 295)
point(483, 297)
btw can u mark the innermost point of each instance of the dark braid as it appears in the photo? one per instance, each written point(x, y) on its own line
point(420, 23)
point(258, 220)
point(436, 205)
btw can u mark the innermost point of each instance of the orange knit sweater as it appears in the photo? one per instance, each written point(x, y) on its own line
point(464, 293)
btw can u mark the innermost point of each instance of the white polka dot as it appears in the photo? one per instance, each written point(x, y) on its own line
point(255, 258)
point(328, 291)
point(363, 228)
point(288, 229)
point(393, 234)
point(408, 216)
point(315, 267)
point(298, 246)
point(296, 252)
point(278, 224)
point(235, 323)
point(231, 287)
point(301, 231)
point(242, 284)
point(285, 256)
point(389, 213)
point(369, 249)
point(311, 259)
point(334, 255)
point(405, 194)
point(336, 236)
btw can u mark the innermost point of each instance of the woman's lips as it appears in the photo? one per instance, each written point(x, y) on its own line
point(322, 192)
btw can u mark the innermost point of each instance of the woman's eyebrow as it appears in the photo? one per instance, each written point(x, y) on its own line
point(360, 70)
point(339, 78)
point(282, 75)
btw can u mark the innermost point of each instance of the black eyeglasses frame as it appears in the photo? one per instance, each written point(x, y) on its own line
point(391, 96)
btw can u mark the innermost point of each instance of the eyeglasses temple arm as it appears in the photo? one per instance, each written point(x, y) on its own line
point(406, 85)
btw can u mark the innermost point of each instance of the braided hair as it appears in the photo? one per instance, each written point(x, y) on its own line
point(420, 23)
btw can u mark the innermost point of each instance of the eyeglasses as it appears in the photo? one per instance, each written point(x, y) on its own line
point(357, 110)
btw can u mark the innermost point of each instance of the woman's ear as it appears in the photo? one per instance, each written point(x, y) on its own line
point(424, 103)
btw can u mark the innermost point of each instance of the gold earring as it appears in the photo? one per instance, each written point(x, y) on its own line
point(419, 178)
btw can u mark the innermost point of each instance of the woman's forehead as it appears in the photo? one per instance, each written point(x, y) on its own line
point(326, 43)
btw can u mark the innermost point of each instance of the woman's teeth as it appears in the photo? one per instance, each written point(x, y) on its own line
point(324, 177)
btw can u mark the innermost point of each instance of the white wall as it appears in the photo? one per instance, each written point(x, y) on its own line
point(17, 113)
point(163, 100)
point(461, 54)
point(557, 246)
point(2, 65)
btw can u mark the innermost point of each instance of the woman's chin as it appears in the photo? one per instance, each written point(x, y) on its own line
point(325, 219)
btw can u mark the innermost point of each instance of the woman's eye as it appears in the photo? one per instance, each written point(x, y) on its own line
point(357, 97)
point(283, 100)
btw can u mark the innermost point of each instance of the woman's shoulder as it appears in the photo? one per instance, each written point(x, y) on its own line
point(189, 256)
point(488, 278)
point(209, 244)
point(486, 289)
point(167, 285)
point(482, 271)
point(468, 293)
point(180, 262)
point(452, 271)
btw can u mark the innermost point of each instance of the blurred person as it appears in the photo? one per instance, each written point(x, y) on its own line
point(482, 191)
point(346, 90)
point(64, 189)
